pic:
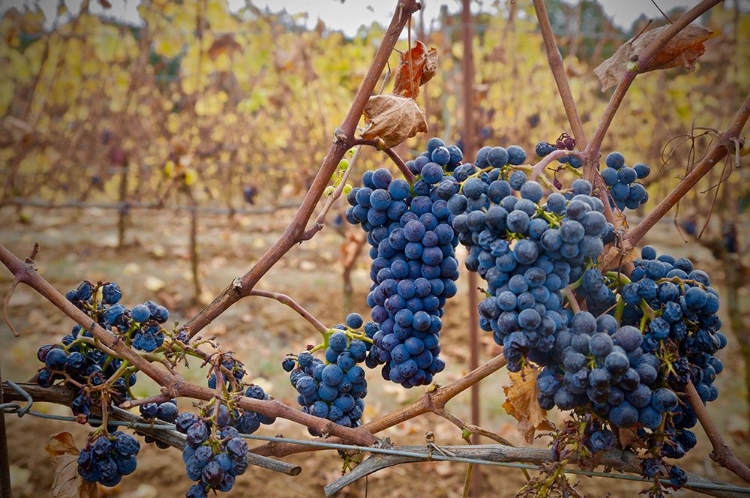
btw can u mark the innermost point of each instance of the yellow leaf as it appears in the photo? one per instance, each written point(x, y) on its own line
point(521, 403)
point(191, 176)
point(167, 46)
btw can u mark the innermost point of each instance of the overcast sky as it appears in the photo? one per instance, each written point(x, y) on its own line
point(351, 14)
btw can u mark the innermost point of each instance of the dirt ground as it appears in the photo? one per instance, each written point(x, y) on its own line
point(155, 265)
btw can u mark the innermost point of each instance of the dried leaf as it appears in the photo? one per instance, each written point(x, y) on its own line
point(417, 67)
point(67, 483)
point(430, 66)
point(521, 402)
point(613, 256)
point(393, 119)
point(61, 444)
point(105, 3)
point(682, 50)
point(223, 44)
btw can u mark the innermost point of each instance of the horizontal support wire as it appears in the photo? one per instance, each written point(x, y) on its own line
point(397, 452)
point(125, 206)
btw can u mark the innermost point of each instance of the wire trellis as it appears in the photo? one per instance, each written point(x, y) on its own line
point(20, 411)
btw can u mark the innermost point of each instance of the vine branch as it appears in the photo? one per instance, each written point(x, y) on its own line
point(338, 148)
point(719, 151)
point(558, 72)
point(721, 453)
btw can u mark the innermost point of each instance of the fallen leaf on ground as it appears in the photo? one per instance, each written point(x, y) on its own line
point(682, 50)
point(392, 119)
point(521, 403)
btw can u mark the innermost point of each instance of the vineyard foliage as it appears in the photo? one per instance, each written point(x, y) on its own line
point(199, 94)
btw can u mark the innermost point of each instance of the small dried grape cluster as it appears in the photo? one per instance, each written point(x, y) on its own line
point(107, 458)
point(82, 365)
point(165, 411)
point(215, 454)
point(334, 389)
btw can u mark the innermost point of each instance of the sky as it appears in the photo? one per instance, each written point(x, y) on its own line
point(351, 14)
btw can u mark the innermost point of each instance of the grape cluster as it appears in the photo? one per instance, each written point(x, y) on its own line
point(603, 366)
point(630, 367)
point(140, 327)
point(78, 361)
point(414, 267)
point(245, 421)
point(166, 411)
point(333, 389)
point(683, 325)
point(621, 181)
point(563, 142)
point(527, 251)
point(213, 456)
point(107, 458)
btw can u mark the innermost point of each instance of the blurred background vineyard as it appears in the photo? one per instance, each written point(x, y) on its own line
point(173, 150)
point(219, 101)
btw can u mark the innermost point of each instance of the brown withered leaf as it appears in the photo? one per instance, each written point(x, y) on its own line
point(105, 3)
point(393, 119)
point(67, 483)
point(614, 257)
point(682, 50)
point(417, 67)
point(223, 44)
point(521, 402)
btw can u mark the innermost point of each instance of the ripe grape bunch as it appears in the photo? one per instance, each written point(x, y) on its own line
point(630, 366)
point(333, 389)
point(527, 251)
point(214, 454)
point(414, 265)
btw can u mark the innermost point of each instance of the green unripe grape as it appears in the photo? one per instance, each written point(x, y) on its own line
point(347, 189)
point(343, 164)
point(329, 190)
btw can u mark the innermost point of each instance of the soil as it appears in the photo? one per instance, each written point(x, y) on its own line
point(154, 264)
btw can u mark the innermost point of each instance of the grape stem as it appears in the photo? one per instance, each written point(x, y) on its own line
point(538, 168)
point(408, 175)
point(558, 71)
point(132, 403)
point(331, 200)
point(721, 453)
point(288, 301)
point(571, 298)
